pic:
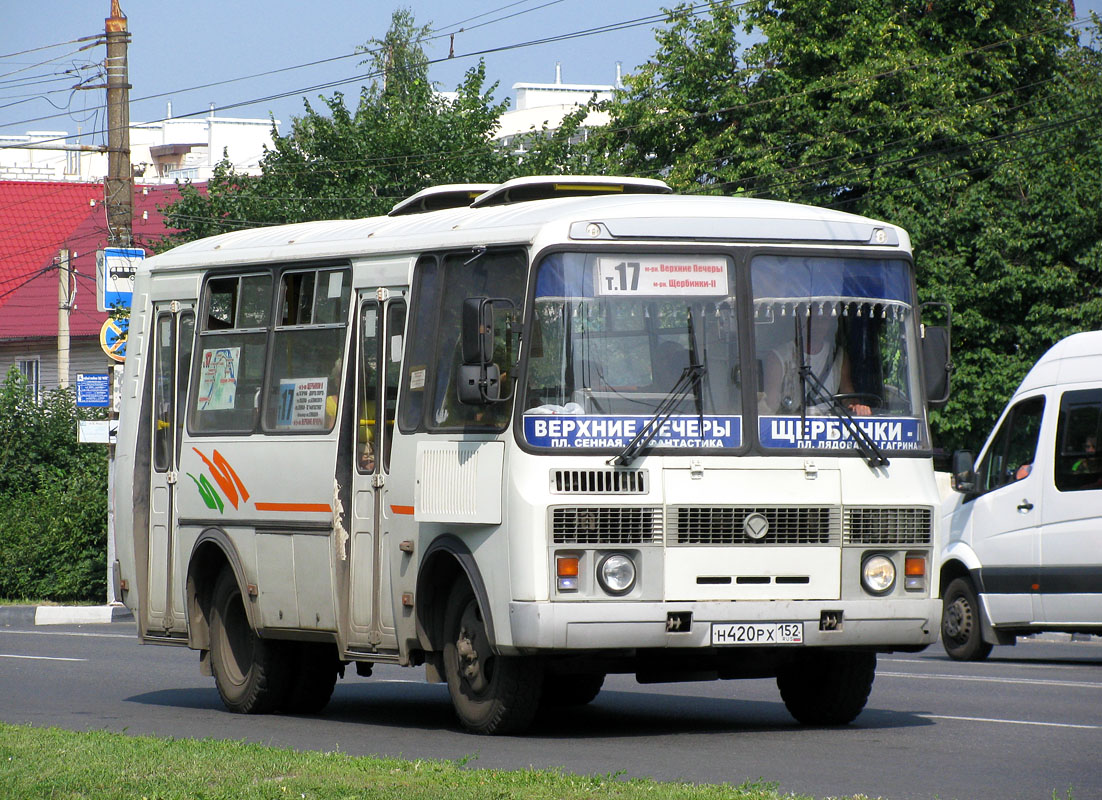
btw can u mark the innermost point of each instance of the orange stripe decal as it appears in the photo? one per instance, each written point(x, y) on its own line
point(406, 510)
point(322, 508)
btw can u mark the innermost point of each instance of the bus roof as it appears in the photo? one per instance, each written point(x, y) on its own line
point(605, 218)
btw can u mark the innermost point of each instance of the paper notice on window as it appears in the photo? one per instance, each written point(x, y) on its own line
point(302, 403)
point(663, 276)
point(218, 378)
point(417, 378)
point(336, 283)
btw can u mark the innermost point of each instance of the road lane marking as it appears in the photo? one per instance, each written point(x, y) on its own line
point(980, 679)
point(1015, 664)
point(1012, 721)
point(41, 658)
point(132, 636)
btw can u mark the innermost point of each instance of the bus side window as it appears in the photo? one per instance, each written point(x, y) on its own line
point(231, 351)
point(489, 275)
point(307, 358)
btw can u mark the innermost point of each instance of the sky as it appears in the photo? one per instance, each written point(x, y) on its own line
point(176, 46)
point(205, 52)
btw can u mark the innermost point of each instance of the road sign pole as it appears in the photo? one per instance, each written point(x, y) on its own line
point(112, 417)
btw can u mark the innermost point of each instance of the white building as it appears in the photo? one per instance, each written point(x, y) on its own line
point(186, 148)
point(545, 105)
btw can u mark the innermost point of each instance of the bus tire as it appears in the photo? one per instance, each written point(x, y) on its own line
point(827, 687)
point(561, 691)
point(491, 693)
point(961, 625)
point(250, 673)
point(312, 678)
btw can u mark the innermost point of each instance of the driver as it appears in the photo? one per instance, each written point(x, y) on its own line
point(829, 362)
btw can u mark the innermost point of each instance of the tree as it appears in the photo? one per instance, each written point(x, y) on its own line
point(973, 124)
point(402, 136)
point(53, 499)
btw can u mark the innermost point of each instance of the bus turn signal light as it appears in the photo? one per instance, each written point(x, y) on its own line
point(914, 571)
point(566, 570)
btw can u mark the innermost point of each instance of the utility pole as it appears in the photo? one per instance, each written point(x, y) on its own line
point(118, 191)
point(64, 306)
point(118, 185)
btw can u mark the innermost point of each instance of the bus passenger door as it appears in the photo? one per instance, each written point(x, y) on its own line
point(379, 353)
point(173, 333)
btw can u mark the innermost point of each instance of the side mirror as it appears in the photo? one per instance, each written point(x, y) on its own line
point(479, 379)
point(936, 364)
point(478, 384)
point(964, 472)
point(478, 330)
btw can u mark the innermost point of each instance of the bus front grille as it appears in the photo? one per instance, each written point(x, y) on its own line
point(888, 526)
point(727, 525)
point(599, 481)
point(611, 525)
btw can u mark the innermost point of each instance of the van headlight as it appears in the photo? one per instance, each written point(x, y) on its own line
point(878, 574)
point(616, 574)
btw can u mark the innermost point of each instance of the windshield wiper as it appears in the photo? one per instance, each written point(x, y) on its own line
point(872, 452)
point(690, 378)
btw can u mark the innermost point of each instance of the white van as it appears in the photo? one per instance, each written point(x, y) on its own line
point(1023, 551)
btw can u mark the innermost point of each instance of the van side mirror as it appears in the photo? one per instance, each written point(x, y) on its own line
point(964, 472)
point(936, 364)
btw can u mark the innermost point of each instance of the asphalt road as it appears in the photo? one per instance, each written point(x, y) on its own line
point(1027, 723)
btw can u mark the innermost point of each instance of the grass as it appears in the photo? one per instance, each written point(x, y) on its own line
point(59, 765)
point(22, 601)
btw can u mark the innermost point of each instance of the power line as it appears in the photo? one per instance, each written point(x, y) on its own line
point(93, 37)
point(610, 28)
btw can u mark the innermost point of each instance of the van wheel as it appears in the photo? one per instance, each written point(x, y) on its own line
point(491, 693)
point(314, 676)
point(250, 672)
point(961, 634)
point(828, 687)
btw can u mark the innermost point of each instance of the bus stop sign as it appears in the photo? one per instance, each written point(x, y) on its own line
point(115, 268)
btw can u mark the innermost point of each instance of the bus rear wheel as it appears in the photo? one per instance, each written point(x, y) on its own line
point(250, 673)
point(491, 693)
point(313, 677)
point(827, 688)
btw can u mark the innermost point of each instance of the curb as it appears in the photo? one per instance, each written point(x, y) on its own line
point(63, 615)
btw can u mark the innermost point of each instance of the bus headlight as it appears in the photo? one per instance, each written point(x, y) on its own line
point(616, 574)
point(878, 574)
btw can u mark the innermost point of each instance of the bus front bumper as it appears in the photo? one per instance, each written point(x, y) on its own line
point(879, 623)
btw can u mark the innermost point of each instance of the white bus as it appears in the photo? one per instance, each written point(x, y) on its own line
point(529, 435)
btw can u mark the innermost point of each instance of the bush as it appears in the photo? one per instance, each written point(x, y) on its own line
point(53, 499)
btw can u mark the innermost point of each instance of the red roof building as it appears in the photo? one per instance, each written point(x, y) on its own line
point(37, 222)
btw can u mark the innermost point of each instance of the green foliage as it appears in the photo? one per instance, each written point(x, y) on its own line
point(53, 499)
point(973, 124)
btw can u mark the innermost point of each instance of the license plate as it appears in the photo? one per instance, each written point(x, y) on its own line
point(760, 633)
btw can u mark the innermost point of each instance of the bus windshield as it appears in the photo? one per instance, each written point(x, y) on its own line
point(612, 336)
point(833, 336)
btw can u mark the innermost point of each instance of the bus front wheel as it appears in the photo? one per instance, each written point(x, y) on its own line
point(250, 672)
point(491, 693)
point(827, 687)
